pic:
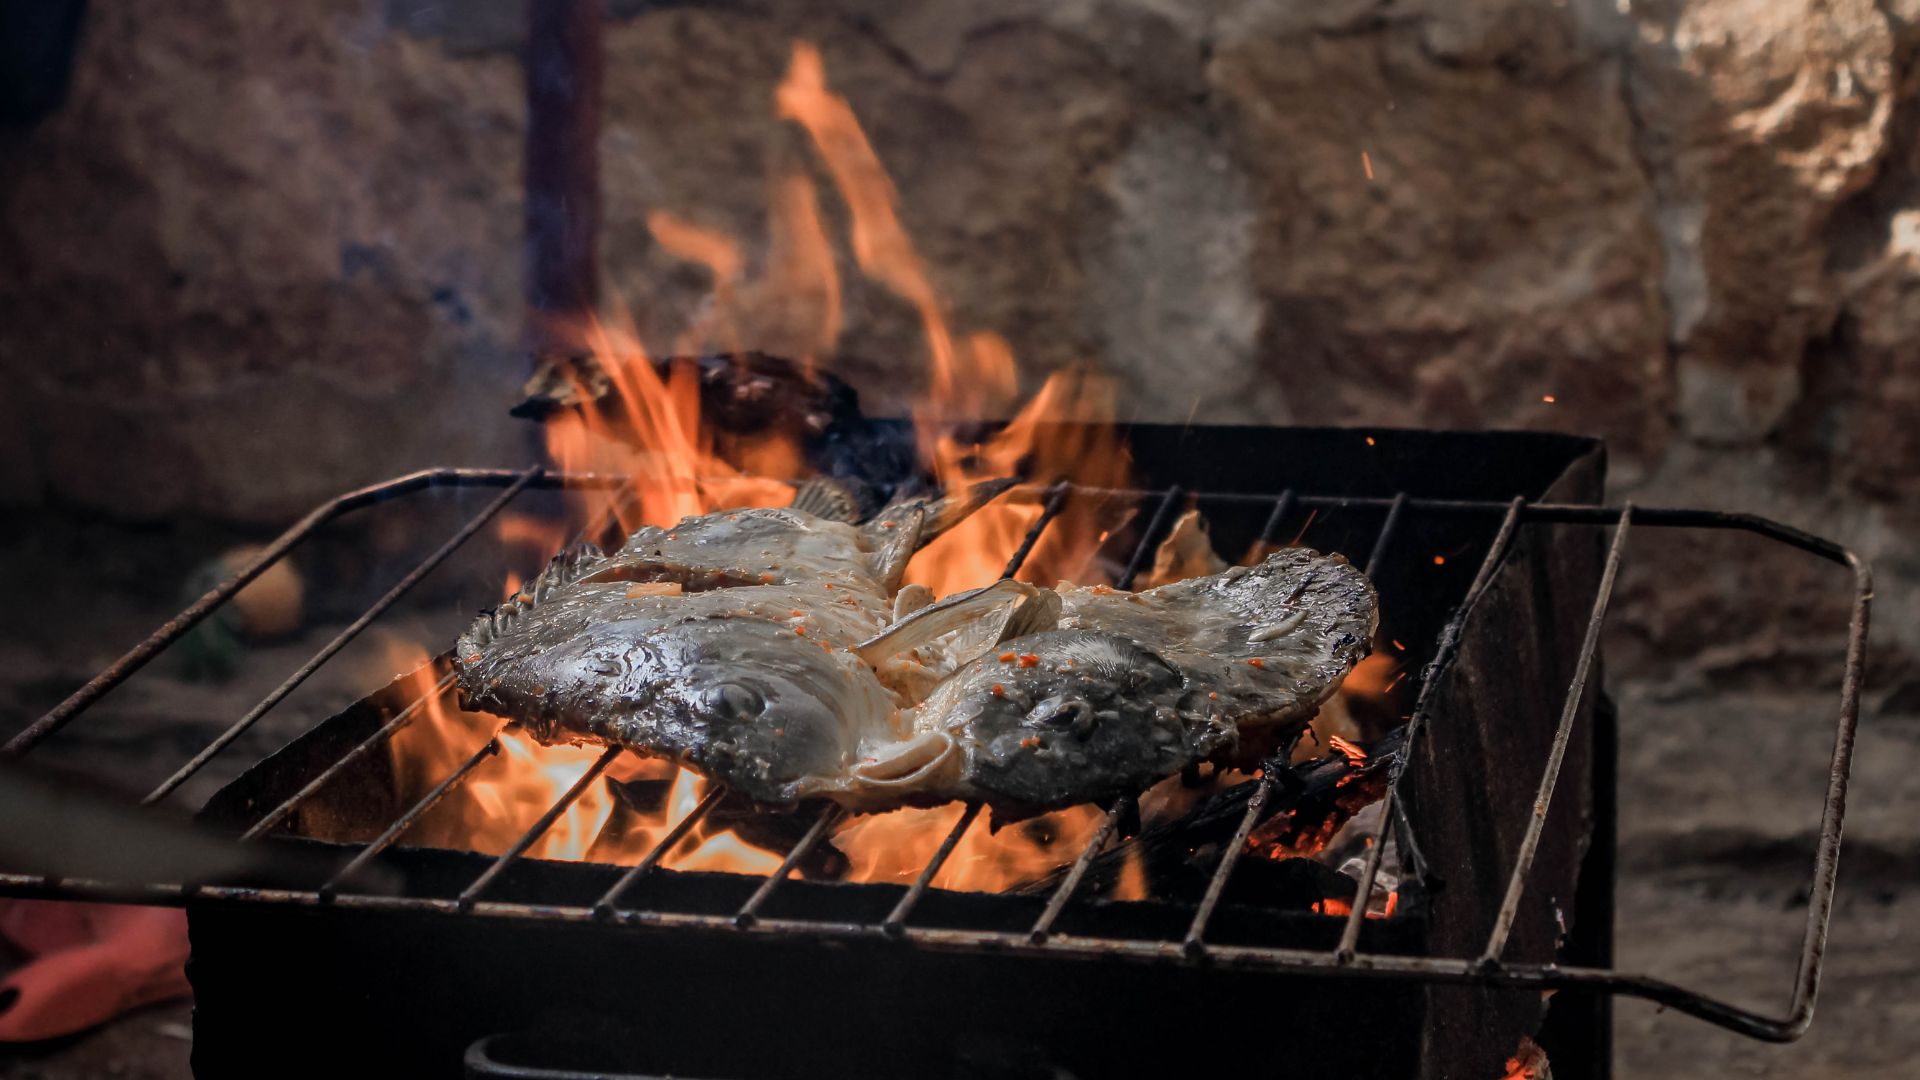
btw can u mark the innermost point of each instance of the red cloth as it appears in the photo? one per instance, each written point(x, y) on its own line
point(89, 963)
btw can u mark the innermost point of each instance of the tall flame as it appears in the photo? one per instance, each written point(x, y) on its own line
point(966, 382)
point(802, 284)
point(880, 243)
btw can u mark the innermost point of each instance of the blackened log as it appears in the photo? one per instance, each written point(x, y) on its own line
point(744, 395)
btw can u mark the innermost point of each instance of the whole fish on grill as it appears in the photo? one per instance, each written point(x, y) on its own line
point(1273, 640)
point(1127, 688)
point(722, 641)
point(775, 650)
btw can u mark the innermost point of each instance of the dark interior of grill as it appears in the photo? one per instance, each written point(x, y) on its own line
point(270, 974)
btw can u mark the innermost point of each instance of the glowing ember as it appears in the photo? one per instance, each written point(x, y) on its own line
point(1529, 1062)
point(1333, 905)
point(1355, 756)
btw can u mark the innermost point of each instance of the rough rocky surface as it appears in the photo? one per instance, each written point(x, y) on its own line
point(246, 250)
point(1720, 801)
point(259, 256)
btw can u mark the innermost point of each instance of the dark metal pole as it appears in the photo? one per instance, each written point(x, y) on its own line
point(564, 63)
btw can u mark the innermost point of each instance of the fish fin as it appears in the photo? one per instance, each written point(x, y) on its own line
point(571, 565)
point(895, 536)
point(907, 763)
point(1034, 614)
point(951, 509)
point(904, 527)
point(938, 620)
point(909, 599)
point(1187, 552)
point(825, 497)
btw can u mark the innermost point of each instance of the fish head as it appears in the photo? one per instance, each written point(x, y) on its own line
point(749, 701)
point(1070, 716)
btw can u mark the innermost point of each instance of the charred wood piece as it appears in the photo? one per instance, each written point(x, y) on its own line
point(748, 400)
point(1310, 801)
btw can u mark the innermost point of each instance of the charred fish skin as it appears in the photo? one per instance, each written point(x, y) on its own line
point(1070, 716)
point(1272, 640)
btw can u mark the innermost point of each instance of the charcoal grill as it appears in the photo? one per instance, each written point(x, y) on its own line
point(1495, 558)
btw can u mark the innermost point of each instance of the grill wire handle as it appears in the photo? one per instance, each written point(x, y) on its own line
point(1344, 962)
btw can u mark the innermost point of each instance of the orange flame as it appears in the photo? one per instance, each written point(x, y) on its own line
point(507, 793)
point(1133, 877)
point(880, 243)
point(967, 381)
point(801, 279)
point(894, 847)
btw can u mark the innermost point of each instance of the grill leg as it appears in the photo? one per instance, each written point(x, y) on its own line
point(1578, 1031)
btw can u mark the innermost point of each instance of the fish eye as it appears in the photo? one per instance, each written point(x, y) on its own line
point(1063, 712)
point(1058, 709)
point(736, 701)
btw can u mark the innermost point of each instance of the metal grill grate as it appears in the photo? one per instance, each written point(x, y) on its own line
point(1345, 961)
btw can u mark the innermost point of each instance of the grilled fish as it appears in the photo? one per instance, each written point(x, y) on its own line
point(775, 650)
point(722, 641)
point(1132, 687)
point(1273, 640)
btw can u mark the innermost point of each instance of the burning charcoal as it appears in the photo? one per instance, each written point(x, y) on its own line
point(1291, 884)
point(1310, 799)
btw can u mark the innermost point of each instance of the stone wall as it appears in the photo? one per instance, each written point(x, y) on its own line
point(267, 251)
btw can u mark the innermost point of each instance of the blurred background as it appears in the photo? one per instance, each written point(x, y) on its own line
point(252, 255)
